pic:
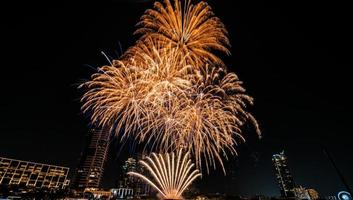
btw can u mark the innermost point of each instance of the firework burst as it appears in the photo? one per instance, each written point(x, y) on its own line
point(207, 119)
point(128, 96)
point(170, 175)
point(167, 92)
point(193, 30)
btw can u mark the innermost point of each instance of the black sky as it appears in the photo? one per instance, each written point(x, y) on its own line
point(295, 59)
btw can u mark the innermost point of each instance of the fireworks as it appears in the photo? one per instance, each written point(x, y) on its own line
point(192, 30)
point(170, 175)
point(211, 118)
point(130, 97)
point(169, 91)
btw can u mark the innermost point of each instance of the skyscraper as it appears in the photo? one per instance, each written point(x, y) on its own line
point(91, 167)
point(126, 182)
point(283, 175)
point(129, 166)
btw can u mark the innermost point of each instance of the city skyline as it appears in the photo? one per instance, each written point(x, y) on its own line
point(279, 162)
point(279, 58)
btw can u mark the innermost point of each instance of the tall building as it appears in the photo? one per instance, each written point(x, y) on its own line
point(283, 175)
point(127, 181)
point(31, 174)
point(131, 185)
point(91, 167)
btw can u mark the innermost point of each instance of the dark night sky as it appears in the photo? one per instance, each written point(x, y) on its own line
point(294, 57)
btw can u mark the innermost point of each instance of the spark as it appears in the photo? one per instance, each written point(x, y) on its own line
point(170, 174)
point(169, 106)
point(129, 95)
point(193, 30)
point(168, 91)
point(207, 120)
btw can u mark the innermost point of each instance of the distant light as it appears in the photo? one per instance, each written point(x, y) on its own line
point(343, 195)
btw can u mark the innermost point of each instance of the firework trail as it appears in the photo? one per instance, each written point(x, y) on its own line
point(169, 91)
point(193, 30)
point(170, 175)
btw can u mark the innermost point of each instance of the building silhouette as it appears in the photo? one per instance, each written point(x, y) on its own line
point(91, 167)
point(32, 175)
point(130, 185)
point(283, 176)
point(127, 181)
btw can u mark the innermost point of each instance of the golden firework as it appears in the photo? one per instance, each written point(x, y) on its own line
point(168, 93)
point(206, 119)
point(193, 30)
point(170, 175)
point(127, 96)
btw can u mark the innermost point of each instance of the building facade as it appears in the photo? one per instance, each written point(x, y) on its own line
point(31, 174)
point(126, 182)
point(283, 176)
point(91, 168)
point(122, 193)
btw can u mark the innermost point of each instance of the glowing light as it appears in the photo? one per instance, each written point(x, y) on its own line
point(129, 96)
point(193, 30)
point(343, 195)
point(169, 92)
point(170, 175)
